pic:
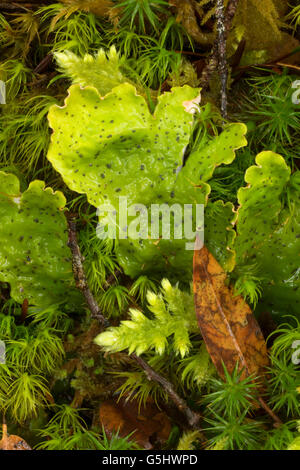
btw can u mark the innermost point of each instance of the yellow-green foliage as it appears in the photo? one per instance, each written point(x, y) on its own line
point(174, 319)
point(196, 369)
point(101, 71)
point(295, 15)
point(188, 439)
point(185, 75)
point(295, 444)
point(219, 445)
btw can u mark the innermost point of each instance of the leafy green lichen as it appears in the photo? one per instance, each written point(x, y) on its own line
point(34, 257)
point(113, 146)
point(268, 230)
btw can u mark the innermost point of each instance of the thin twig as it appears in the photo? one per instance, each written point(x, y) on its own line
point(44, 64)
point(192, 417)
point(218, 56)
point(196, 54)
point(222, 61)
point(275, 418)
point(291, 66)
point(79, 274)
point(81, 283)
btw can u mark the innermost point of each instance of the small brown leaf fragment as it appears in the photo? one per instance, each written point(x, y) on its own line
point(227, 324)
point(11, 442)
point(148, 424)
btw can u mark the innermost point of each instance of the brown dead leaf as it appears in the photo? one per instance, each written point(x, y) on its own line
point(228, 326)
point(148, 425)
point(11, 442)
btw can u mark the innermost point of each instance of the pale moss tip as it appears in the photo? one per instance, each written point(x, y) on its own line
point(151, 297)
point(106, 339)
point(166, 285)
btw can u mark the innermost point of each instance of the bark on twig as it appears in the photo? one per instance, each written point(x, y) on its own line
point(218, 56)
point(81, 283)
point(222, 60)
point(263, 404)
point(192, 417)
point(44, 64)
point(79, 274)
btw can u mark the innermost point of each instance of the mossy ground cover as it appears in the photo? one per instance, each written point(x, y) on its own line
point(112, 98)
